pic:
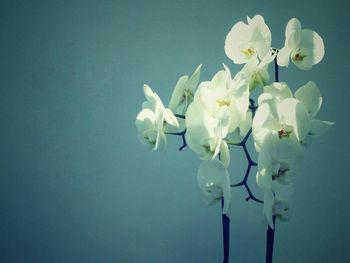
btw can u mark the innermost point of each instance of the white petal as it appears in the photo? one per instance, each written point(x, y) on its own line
point(241, 92)
point(261, 37)
point(293, 33)
point(302, 59)
point(283, 57)
point(194, 79)
point(234, 137)
point(200, 128)
point(160, 133)
point(246, 124)
point(283, 192)
point(178, 92)
point(215, 143)
point(268, 206)
point(312, 41)
point(281, 209)
point(319, 128)
point(270, 56)
point(224, 154)
point(146, 129)
point(265, 163)
point(310, 96)
point(227, 71)
point(145, 119)
point(279, 91)
point(240, 33)
point(288, 150)
point(170, 118)
point(219, 80)
point(213, 174)
point(294, 113)
point(149, 94)
point(224, 119)
point(264, 98)
point(261, 116)
point(261, 126)
point(259, 137)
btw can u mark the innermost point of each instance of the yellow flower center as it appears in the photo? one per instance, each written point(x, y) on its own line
point(223, 102)
point(249, 52)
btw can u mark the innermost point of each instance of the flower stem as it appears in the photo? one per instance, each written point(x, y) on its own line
point(270, 236)
point(180, 116)
point(251, 163)
point(182, 134)
point(276, 69)
point(225, 233)
point(270, 233)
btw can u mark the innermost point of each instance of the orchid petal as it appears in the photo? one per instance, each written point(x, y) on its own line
point(319, 128)
point(283, 57)
point(213, 174)
point(268, 206)
point(177, 95)
point(310, 96)
point(293, 33)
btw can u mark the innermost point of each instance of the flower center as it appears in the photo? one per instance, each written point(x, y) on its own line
point(280, 174)
point(187, 95)
point(283, 133)
point(298, 57)
point(223, 102)
point(149, 140)
point(248, 52)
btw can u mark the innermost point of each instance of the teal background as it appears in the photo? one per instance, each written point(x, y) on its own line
point(75, 183)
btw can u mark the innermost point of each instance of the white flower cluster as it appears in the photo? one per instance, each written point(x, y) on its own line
point(218, 113)
point(282, 125)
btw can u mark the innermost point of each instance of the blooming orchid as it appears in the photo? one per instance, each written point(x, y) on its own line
point(150, 121)
point(246, 41)
point(214, 181)
point(215, 116)
point(310, 96)
point(277, 202)
point(150, 133)
point(224, 95)
point(184, 91)
point(219, 107)
point(286, 117)
point(279, 111)
point(280, 159)
point(205, 134)
point(304, 46)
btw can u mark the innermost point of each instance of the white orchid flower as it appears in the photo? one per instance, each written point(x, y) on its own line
point(156, 105)
point(214, 181)
point(219, 107)
point(257, 71)
point(239, 133)
point(224, 94)
point(276, 202)
point(184, 91)
point(277, 97)
point(280, 114)
point(304, 46)
point(277, 91)
point(279, 159)
point(150, 122)
point(310, 96)
point(150, 133)
point(246, 41)
point(205, 134)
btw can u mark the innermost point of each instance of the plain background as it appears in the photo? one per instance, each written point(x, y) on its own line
point(75, 183)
